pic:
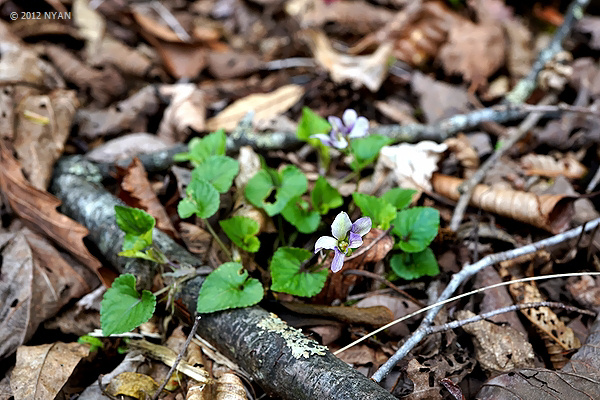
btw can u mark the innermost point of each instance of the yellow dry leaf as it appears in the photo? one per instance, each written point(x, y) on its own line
point(132, 384)
point(265, 106)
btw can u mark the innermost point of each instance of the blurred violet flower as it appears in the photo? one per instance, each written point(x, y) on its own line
point(346, 236)
point(351, 126)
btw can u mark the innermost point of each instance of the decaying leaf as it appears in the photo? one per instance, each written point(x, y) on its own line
point(196, 239)
point(544, 319)
point(498, 348)
point(546, 165)
point(265, 106)
point(36, 282)
point(40, 142)
point(137, 187)
point(230, 64)
point(369, 71)
point(127, 60)
point(230, 387)
point(397, 305)
point(438, 99)
point(186, 112)
point(374, 316)
point(550, 212)
point(104, 85)
point(474, 51)
point(420, 375)
point(132, 384)
point(91, 24)
point(129, 115)
point(461, 147)
point(41, 371)
point(126, 146)
point(131, 362)
point(19, 64)
point(38, 208)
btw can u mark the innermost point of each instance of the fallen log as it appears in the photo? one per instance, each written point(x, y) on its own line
point(284, 362)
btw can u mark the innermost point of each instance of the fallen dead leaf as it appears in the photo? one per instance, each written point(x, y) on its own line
point(40, 142)
point(139, 193)
point(369, 71)
point(42, 371)
point(546, 165)
point(265, 106)
point(38, 209)
point(126, 146)
point(397, 305)
point(230, 64)
point(186, 112)
point(36, 282)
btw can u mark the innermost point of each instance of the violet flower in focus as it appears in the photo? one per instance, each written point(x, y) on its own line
point(346, 236)
point(351, 126)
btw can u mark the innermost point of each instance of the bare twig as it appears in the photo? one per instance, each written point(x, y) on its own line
point(465, 273)
point(170, 19)
point(387, 283)
point(514, 307)
point(179, 357)
point(594, 182)
point(525, 86)
point(468, 186)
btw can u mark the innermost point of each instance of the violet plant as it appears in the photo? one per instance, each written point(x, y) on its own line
point(351, 126)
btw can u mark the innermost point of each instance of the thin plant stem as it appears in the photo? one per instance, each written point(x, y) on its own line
point(219, 241)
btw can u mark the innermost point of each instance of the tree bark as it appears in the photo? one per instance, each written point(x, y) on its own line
point(283, 361)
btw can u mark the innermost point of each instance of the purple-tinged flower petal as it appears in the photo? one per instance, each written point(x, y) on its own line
point(325, 139)
point(338, 260)
point(338, 141)
point(362, 226)
point(325, 242)
point(354, 240)
point(360, 128)
point(349, 118)
point(341, 225)
point(336, 124)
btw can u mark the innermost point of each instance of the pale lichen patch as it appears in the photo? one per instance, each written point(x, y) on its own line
point(299, 344)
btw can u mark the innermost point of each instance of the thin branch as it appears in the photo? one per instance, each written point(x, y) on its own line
point(387, 283)
point(179, 357)
point(465, 273)
point(525, 86)
point(514, 307)
point(468, 187)
point(368, 247)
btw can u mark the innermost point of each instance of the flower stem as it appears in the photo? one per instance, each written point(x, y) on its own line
point(219, 241)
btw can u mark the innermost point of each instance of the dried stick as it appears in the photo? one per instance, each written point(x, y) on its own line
point(465, 273)
point(468, 186)
point(179, 357)
point(461, 322)
point(525, 86)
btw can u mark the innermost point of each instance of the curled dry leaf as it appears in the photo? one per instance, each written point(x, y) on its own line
point(186, 112)
point(38, 209)
point(417, 31)
point(139, 193)
point(265, 106)
point(129, 115)
point(42, 371)
point(230, 387)
point(372, 315)
point(36, 282)
point(369, 71)
point(498, 348)
point(545, 165)
point(550, 212)
point(40, 141)
point(19, 64)
point(461, 147)
point(358, 16)
point(90, 23)
point(132, 384)
point(104, 85)
point(196, 239)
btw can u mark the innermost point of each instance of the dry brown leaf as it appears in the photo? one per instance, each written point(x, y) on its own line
point(544, 318)
point(397, 305)
point(230, 64)
point(461, 147)
point(196, 239)
point(91, 25)
point(129, 115)
point(265, 106)
point(127, 60)
point(139, 193)
point(369, 71)
point(42, 126)
point(104, 85)
point(498, 348)
point(358, 355)
point(437, 99)
point(545, 165)
point(473, 51)
point(153, 24)
point(38, 209)
point(230, 387)
point(519, 49)
point(186, 112)
point(42, 371)
point(132, 384)
point(550, 212)
point(36, 282)
point(359, 16)
point(420, 376)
